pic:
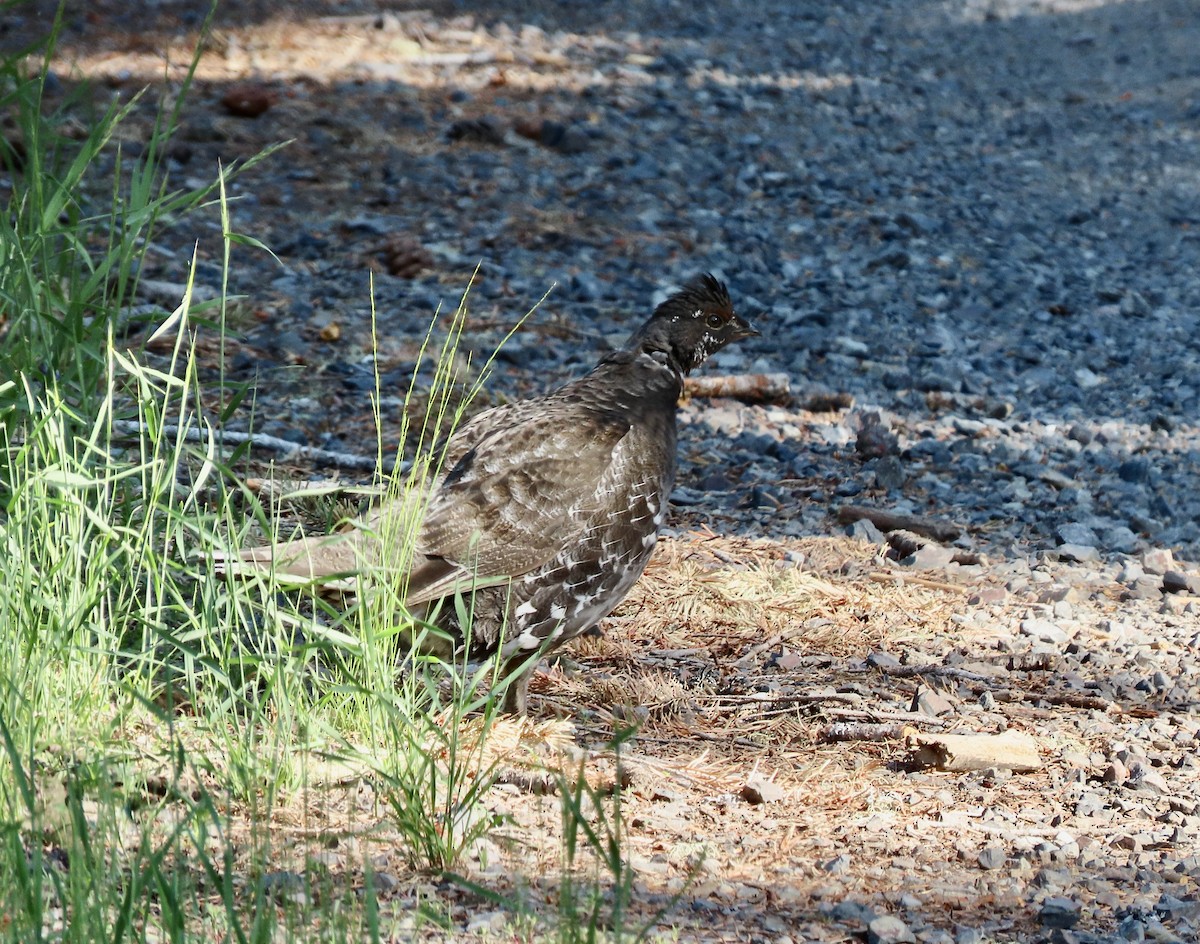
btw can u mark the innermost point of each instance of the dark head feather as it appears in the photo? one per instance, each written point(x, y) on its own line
point(692, 324)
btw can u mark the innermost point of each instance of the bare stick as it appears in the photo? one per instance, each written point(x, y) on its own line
point(863, 731)
point(291, 450)
point(750, 388)
point(891, 521)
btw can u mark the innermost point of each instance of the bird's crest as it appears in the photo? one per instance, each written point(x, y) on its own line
point(700, 293)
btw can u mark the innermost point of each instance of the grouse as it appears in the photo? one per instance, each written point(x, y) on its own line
point(546, 510)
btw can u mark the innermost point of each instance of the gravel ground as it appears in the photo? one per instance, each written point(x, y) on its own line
point(970, 233)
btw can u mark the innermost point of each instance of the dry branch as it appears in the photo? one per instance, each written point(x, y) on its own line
point(943, 671)
point(874, 715)
point(892, 576)
point(291, 450)
point(863, 731)
point(892, 521)
point(750, 388)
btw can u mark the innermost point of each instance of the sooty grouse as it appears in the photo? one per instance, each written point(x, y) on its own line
point(546, 510)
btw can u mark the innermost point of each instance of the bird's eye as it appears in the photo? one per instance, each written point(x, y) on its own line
point(714, 321)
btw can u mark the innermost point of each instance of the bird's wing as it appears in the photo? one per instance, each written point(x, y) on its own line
point(521, 491)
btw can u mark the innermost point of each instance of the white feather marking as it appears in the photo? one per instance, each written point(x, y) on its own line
point(525, 609)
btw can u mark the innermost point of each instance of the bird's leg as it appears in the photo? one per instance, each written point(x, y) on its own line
point(515, 675)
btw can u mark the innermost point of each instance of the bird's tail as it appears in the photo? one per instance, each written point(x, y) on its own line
point(332, 560)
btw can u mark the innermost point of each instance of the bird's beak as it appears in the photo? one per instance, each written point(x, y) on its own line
point(745, 329)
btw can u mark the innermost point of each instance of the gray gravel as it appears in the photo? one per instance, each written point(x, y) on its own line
point(980, 220)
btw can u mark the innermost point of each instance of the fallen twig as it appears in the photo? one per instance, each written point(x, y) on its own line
point(944, 671)
point(796, 698)
point(1063, 699)
point(891, 576)
point(892, 521)
point(291, 450)
point(751, 388)
point(874, 714)
point(775, 640)
point(863, 731)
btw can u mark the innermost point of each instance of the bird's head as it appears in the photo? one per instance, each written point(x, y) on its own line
point(695, 322)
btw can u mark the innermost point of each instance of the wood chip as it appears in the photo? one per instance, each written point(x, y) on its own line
point(1011, 750)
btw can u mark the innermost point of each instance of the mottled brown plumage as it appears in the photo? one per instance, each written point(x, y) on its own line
point(548, 509)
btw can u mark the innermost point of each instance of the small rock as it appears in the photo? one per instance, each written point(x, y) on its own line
point(853, 347)
point(992, 857)
point(1079, 553)
point(1120, 540)
point(1044, 631)
point(1158, 560)
point(839, 865)
point(889, 473)
point(1115, 772)
point(1055, 879)
point(1075, 533)
point(1059, 913)
point(682, 495)
point(1131, 571)
point(987, 595)
point(875, 440)
point(1059, 593)
point(892, 258)
point(1080, 434)
point(1148, 780)
point(1179, 605)
point(758, 789)
point(1076, 759)
point(882, 660)
point(484, 130)
point(1134, 471)
point(1143, 588)
point(487, 921)
point(972, 428)
point(930, 557)
point(247, 99)
point(285, 886)
point(1133, 305)
point(1087, 379)
point(931, 703)
point(1175, 582)
point(863, 530)
point(383, 882)
point(888, 929)
point(851, 910)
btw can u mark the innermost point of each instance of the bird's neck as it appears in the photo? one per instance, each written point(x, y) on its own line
point(661, 353)
point(638, 375)
point(653, 339)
